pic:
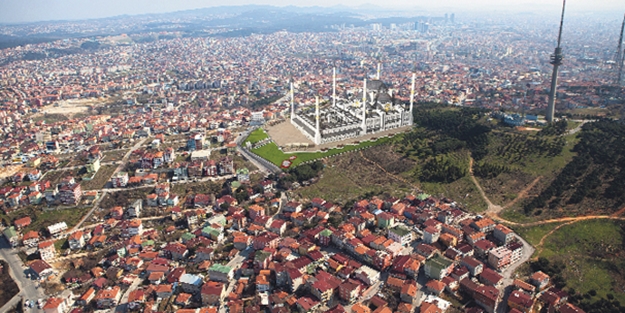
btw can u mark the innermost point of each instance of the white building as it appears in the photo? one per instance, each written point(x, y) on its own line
point(354, 114)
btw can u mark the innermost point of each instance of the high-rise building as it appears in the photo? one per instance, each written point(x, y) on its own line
point(453, 17)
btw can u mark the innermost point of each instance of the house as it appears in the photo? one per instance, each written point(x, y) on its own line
point(408, 292)
point(57, 228)
point(431, 235)
point(278, 227)
point(438, 267)
point(521, 301)
point(56, 305)
point(164, 291)
point(76, 240)
point(307, 304)
point(435, 287)
point(30, 239)
point(484, 225)
point(474, 266)
point(70, 194)
point(503, 234)
point(349, 291)
point(176, 251)
point(400, 234)
point(385, 220)
point(499, 257)
point(11, 236)
point(20, 223)
point(211, 292)
point(108, 298)
point(41, 269)
point(485, 296)
point(490, 277)
point(134, 210)
point(136, 298)
point(119, 180)
point(86, 297)
point(540, 280)
point(191, 283)
point(47, 251)
point(220, 273)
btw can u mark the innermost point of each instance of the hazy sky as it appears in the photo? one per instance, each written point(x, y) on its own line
point(12, 11)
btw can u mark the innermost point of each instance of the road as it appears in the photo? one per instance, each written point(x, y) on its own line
point(121, 307)
point(27, 286)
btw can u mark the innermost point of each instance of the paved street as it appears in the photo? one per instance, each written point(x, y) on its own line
point(16, 269)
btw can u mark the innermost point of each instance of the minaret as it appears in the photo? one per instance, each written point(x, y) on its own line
point(317, 117)
point(292, 103)
point(556, 60)
point(412, 97)
point(378, 76)
point(334, 87)
point(364, 107)
point(412, 91)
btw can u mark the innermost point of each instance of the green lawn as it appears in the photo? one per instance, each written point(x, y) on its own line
point(256, 136)
point(592, 252)
point(273, 154)
point(533, 234)
point(42, 219)
point(100, 179)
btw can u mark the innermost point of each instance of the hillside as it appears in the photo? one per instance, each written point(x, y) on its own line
point(564, 169)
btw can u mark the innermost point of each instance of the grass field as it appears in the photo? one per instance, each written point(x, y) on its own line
point(462, 191)
point(273, 154)
point(101, 178)
point(593, 253)
point(533, 234)
point(256, 136)
point(42, 219)
point(350, 177)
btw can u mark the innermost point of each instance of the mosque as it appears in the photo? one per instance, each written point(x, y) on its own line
point(367, 111)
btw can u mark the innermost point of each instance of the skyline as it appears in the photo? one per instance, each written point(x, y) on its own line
point(15, 11)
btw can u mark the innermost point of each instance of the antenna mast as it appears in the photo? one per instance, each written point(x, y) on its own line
point(556, 61)
point(620, 54)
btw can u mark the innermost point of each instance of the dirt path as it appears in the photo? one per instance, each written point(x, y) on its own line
point(523, 193)
point(539, 246)
point(492, 208)
point(619, 212)
point(388, 173)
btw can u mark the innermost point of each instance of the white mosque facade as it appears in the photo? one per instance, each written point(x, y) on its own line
point(372, 110)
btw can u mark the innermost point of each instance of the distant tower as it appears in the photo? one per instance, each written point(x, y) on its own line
point(620, 54)
point(446, 18)
point(556, 60)
point(453, 17)
point(378, 76)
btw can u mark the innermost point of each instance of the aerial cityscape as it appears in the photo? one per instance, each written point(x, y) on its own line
point(424, 157)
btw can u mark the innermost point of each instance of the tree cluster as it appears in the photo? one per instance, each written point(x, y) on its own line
point(600, 161)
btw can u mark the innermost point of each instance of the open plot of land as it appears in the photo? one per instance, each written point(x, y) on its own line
point(349, 177)
point(42, 218)
point(593, 253)
point(124, 198)
point(113, 156)
point(462, 191)
point(70, 107)
point(101, 178)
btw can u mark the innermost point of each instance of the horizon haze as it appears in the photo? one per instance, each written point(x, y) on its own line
point(16, 11)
